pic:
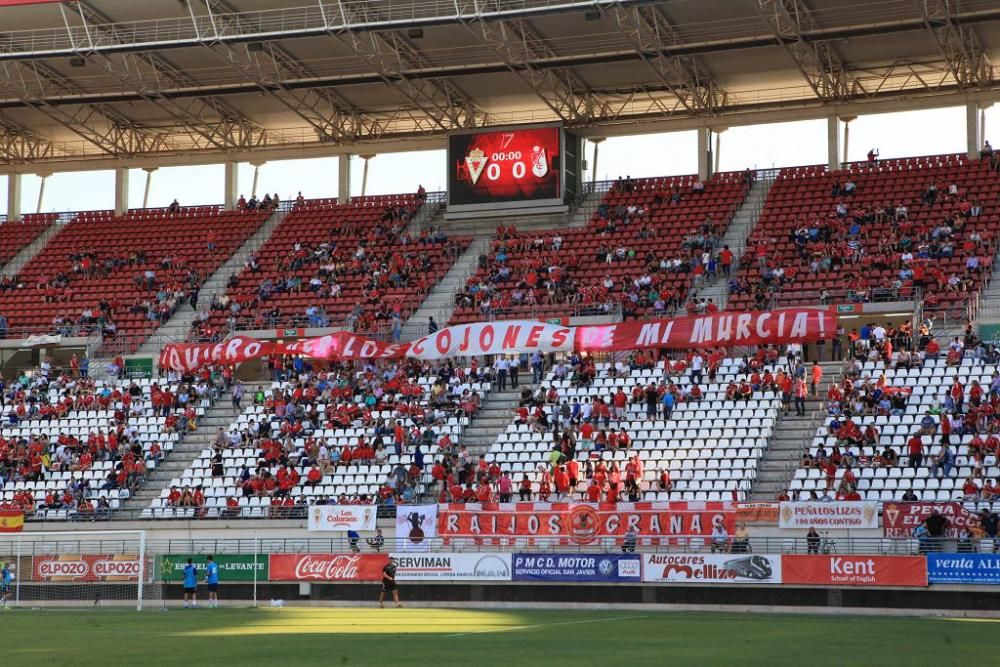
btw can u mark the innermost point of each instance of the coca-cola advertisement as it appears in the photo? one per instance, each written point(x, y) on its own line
point(899, 520)
point(327, 567)
point(87, 567)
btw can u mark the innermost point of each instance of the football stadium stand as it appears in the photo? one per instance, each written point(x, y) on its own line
point(330, 264)
point(16, 236)
point(920, 424)
point(121, 275)
point(874, 232)
point(343, 436)
point(77, 448)
point(702, 443)
point(648, 241)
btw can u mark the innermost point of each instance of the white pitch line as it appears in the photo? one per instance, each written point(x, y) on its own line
point(546, 625)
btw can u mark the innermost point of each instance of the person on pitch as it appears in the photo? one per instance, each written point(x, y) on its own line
point(389, 583)
point(212, 581)
point(6, 577)
point(190, 584)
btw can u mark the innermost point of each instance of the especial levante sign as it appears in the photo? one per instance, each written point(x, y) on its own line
point(789, 325)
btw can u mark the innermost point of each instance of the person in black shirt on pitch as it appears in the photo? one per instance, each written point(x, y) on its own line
point(389, 583)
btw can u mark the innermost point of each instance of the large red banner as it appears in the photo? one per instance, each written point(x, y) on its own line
point(583, 523)
point(327, 567)
point(899, 520)
point(856, 570)
point(86, 567)
point(789, 325)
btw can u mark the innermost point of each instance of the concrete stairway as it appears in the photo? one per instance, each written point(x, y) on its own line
point(493, 417)
point(28, 253)
point(581, 215)
point(736, 235)
point(429, 215)
point(791, 436)
point(440, 301)
point(186, 451)
point(177, 327)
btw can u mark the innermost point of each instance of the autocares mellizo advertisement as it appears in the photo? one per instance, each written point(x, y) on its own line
point(711, 568)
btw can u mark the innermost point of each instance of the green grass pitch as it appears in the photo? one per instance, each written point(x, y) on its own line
point(412, 636)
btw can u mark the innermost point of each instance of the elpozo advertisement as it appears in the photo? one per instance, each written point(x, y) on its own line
point(342, 517)
point(963, 568)
point(231, 567)
point(578, 567)
point(453, 566)
point(820, 515)
point(711, 568)
point(88, 567)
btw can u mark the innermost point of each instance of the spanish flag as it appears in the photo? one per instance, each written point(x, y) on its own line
point(11, 521)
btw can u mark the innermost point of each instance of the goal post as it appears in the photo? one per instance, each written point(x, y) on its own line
point(110, 568)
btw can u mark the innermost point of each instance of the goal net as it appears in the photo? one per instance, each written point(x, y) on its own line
point(74, 569)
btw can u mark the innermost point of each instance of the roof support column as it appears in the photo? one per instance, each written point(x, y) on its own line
point(973, 138)
point(121, 190)
point(344, 178)
point(718, 148)
point(704, 153)
point(149, 180)
point(13, 197)
point(232, 183)
point(832, 143)
point(364, 175)
point(41, 190)
point(593, 174)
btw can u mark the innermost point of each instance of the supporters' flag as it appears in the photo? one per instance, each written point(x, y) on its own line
point(415, 524)
point(788, 325)
point(11, 521)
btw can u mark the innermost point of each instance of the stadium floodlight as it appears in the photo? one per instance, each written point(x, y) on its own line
point(79, 568)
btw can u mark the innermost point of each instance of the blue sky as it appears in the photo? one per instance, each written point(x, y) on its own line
point(785, 144)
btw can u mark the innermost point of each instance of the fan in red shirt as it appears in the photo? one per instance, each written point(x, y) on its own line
point(561, 480)
point(483, 492)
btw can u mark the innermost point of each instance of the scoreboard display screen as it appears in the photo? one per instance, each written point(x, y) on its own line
point(504, 166)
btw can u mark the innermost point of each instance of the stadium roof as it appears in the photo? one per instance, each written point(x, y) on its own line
point(103, 82)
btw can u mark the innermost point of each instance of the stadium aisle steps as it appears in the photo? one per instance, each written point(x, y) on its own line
point(177, 327)
point(494, 416)
point(440, 301)
point(792, 435)
point(736, 236)
point(27, 253)
point(186, 450)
